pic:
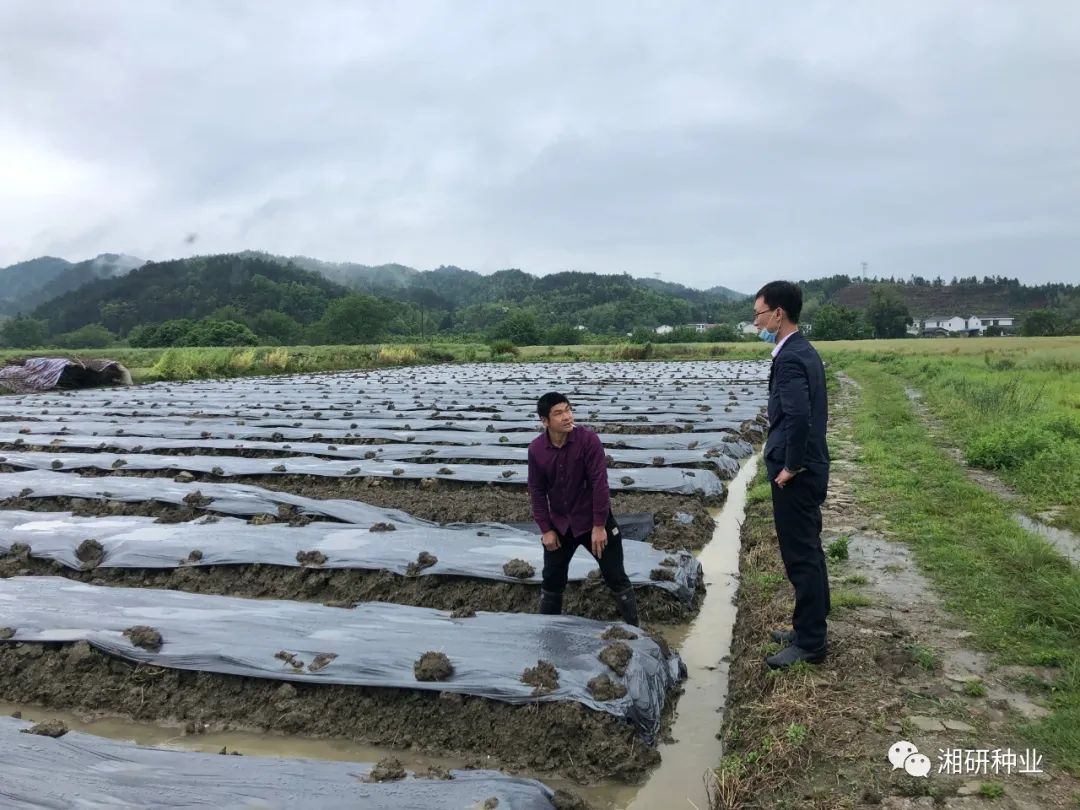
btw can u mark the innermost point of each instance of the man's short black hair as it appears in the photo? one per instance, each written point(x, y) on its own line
point(549, 401)
point(782, 294)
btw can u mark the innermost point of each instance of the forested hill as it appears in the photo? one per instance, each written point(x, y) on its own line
point(286, 296)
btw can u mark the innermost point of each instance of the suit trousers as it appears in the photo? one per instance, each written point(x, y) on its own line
point(797, 517)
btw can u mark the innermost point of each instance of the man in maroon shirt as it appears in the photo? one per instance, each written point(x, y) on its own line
point(568, 489)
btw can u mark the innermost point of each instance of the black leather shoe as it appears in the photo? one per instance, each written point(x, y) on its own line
point(783, 636)
point(792, 655)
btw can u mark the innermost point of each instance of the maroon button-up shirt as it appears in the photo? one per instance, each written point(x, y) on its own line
point(568, 485)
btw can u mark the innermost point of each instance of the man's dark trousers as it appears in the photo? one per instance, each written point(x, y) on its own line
point(797, 516)
point(557, 562)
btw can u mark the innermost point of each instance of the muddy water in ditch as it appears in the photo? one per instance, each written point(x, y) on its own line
point(679, 781)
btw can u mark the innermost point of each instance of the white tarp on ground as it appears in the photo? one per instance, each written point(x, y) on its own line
point(373, 644)
point(140, 542)
point(94, 773)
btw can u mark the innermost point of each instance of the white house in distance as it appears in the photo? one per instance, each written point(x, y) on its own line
point(664, 329)
point(747, 328)
point(971, 325)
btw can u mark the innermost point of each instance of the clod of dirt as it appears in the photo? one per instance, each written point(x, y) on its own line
point(626, 480)
point(617, 633)
point(490, 803)
point(662, 575)
point(353, 471)
point(196, 499)
point(429, 483)
point(217, 471)
point(617, 656)
point(321, 661)
point(435, 772)
point(370, 454)
point(594, 574)
point(146, 637)
point(504, 439)
point(310, 557)
point(462, 613)
point(57, 464)
point(116, 465)
point(603, 688)
point(423, 560)
point(184, 477)
point(194, 557)
point(6, 633)
point(17, 715)
point(433, 666)
point(49, 728)
point(508, 474)
point(565, 800)
point(382, 527)
point(398, 471)
point(693, 445)
point(445, 471)
point(388, 769)
point(90, 553)
point(279, 468)
point(289, 658)
point(518, 569)
point(261, 520)
point(543, 676)
point(668, 562)
point(658, 461)
point(26, 492)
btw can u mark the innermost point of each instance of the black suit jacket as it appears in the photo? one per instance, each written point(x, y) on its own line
point(798, 408)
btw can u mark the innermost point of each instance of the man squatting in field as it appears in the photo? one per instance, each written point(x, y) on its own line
point(568, 489)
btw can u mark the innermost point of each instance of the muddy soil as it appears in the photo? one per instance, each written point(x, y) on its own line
point(533, 736)
point(346, 586)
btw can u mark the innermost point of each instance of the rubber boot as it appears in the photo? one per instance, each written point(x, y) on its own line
point(550, 603)
point(627, 604)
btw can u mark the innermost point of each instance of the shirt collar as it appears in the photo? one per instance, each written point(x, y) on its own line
point(569, 438)
point(782, 341)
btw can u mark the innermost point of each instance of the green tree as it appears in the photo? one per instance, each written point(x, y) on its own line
point(562, 334)
point(91, 336)
point(721, 333)
point(887, 314)
point(22, 332)
point(275, 328)
point(1040, 322)
point(834, 322)
point(356, 318)
point(519, 327)
point(211, 332)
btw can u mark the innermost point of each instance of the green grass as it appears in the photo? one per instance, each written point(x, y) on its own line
point(926, 657)
point(1019, 596)
point(848, 599)
point(838, 548)
point(1013, 409)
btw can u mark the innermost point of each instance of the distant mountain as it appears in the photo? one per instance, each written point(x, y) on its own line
point(191, 288)
point(25, 285)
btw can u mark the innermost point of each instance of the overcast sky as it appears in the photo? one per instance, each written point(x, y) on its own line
point(706, 142)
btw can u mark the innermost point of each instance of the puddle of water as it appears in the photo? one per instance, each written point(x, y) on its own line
point(264, 744)
point(1062, 539)
point(679, 781)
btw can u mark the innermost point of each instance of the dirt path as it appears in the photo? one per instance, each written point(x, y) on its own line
point(1063, 540)
point(898, 670)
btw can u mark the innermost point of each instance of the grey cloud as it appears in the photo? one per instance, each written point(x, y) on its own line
point(711, 145)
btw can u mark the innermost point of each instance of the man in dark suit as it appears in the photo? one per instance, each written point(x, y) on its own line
point(797, 461)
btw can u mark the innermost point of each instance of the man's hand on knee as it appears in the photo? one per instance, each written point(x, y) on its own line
point(550, 540)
